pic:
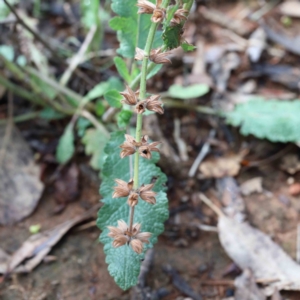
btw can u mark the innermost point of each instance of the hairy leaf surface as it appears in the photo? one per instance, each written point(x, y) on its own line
point(277, 121)
point(124, 263)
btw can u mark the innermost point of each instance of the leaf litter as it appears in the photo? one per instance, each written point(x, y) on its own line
point(36, 247)
point(252, 249)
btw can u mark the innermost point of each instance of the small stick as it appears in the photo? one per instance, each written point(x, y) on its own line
point(204, 151)
point(75, 61)
point(209, 203)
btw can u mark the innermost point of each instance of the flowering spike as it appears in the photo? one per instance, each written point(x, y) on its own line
point(129, 146)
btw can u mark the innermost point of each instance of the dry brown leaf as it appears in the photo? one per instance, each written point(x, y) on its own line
point(251, 248)
point(37, 246)
point(20, 186)
point(218, 167)
point(290, 8)
point(253, 185)
point(246, 288)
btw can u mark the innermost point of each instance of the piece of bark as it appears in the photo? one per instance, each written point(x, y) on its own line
point(20, 186)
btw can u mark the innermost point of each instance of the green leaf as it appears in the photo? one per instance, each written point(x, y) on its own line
point(123, 118)
point(8, 52)
point(65, 148)
point(90, 11)
point(122, 69)
point(101, 88)
point(277, 121)
point(49, 113)
point(132, 29)
point(124, 263)
point(99, 108)
point(172, 36)
point(82, 125)
point(186, 47)
point(114, 98)
point(94, 142)
point(187, 92)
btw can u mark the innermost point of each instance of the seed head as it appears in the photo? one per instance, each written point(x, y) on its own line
point(180, 15)
point(131, 97)
point(159, 57)
point(145, 150)
point(147, 194)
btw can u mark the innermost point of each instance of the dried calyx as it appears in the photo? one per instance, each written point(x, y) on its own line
point(122, 236)
point(179, 16)
point(156, 55)
point(130, 146)
point(125, 189)
point(151, 103)
point(147, 7)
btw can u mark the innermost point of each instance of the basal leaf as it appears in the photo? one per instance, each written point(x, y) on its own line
point(65, 148)
point(187, 92)
point(277, 121)
point(124, 263)
point(122, 68)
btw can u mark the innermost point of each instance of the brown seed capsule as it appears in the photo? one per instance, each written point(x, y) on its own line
point(123, 188)
point(158, 15)
point(139, 54)
point(147, 194)
point(180, 15)
point(119, 234)
point(131, 97)
point(133, 199)
point(154, 104)
point(137, 246)
point(145, 7)
point(145, 150)
point(159, 57)
point(140, 107)
point(129, 146)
